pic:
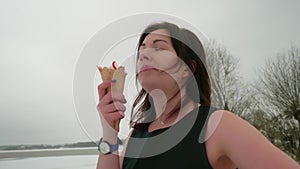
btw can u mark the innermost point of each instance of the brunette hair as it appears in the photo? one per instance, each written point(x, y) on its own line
point(190, 50)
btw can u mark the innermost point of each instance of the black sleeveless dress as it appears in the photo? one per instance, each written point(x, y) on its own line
point(181, 146)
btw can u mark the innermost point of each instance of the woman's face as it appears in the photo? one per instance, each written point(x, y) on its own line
point(158, 64)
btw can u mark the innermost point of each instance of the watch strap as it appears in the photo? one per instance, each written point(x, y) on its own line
point(113, 147)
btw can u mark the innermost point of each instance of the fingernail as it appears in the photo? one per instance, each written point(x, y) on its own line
point(114, 81)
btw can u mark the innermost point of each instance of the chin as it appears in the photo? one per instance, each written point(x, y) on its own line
point(148, 85)
point(150, 82)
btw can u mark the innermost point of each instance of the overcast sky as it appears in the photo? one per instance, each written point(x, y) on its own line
point(40, 42)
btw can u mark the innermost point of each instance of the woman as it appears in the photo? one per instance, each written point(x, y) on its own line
point(173, 123)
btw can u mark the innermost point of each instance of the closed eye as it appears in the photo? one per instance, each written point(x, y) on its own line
point(158, 45)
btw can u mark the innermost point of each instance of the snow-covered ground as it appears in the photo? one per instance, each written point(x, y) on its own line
point(59, 162)
point(72, 158)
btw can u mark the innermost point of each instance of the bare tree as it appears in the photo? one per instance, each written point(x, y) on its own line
point(280, 130)
point(279, 92)
point(228, 90)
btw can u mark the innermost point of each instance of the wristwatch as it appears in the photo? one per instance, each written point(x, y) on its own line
point(106, 148)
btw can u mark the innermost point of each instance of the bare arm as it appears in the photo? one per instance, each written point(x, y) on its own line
point(246, 146)
point(111, 158)
point(110, 161)
point(111, 109)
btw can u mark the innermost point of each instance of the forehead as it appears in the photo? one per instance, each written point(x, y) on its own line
point(158, 34)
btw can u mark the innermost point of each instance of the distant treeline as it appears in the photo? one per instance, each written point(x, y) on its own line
point(46, 146)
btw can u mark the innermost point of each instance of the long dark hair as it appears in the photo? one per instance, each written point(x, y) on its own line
point(190, 50)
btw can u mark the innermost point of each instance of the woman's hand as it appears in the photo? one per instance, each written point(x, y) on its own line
point(111, 108)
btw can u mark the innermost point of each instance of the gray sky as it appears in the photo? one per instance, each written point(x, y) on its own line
point(41, 41)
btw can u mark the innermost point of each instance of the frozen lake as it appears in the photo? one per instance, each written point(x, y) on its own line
point(61, 162)
point(50, 162)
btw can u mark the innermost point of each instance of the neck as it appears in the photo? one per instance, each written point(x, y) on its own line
point(166, 104)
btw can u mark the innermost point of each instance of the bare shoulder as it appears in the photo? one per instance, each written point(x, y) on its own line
point(238, 140)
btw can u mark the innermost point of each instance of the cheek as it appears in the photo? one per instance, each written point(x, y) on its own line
point(165, 60)
point(138, 66)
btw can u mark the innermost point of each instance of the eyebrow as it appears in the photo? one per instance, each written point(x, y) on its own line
point(159, 40)
point(155, 41)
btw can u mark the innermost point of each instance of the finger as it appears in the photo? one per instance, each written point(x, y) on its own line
point(113, 97)
point(115, 116)
point(115, 106)
point(110, 108)
point(102, 88)
point(111, 118)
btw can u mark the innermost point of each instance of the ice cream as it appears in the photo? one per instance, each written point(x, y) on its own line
point(116, 73)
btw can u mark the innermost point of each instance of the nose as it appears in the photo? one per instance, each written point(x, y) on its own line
point(144, 54)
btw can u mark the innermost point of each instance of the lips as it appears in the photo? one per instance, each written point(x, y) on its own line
point(146, 68)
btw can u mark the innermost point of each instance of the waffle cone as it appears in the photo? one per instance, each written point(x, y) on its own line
point(106, 74)
point(119, 76)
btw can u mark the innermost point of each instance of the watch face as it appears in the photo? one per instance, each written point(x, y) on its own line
point(104, 148)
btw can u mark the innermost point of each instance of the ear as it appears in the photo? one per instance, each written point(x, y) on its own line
point(187, 72)
point(194, 65)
